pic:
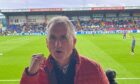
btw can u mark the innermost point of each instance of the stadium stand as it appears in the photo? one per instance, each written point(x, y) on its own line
point(84, 19)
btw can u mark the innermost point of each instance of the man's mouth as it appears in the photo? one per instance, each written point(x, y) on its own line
point(58, 51)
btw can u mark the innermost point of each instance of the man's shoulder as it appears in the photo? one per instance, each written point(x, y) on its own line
point(89, 67)
point(86, 62)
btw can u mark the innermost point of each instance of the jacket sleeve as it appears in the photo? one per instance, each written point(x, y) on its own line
point(29, 79)
point(41, 77)
point(103, 77)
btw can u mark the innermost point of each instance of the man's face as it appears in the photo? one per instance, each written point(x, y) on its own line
point(60, 43)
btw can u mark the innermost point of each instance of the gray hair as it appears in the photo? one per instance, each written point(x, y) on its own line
point(61, 20)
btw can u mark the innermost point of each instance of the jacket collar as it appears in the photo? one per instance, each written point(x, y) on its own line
point(50, 60)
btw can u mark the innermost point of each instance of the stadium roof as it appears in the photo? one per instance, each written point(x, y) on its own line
point(71, 9)
point(12, 4)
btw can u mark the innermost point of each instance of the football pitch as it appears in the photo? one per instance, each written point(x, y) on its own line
point(110, 50)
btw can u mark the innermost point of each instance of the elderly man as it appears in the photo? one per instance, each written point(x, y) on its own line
point(64, 65)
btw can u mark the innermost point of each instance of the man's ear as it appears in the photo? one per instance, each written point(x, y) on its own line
point(74, 42)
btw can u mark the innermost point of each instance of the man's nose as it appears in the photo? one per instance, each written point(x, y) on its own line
point(58, 43)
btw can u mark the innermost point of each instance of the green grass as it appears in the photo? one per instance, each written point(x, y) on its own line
point(110, 50)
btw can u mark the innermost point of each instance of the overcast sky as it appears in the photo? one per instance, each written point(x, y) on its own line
point(16, 4)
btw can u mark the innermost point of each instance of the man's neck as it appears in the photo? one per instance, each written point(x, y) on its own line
point(64, 68)
point(63, 64)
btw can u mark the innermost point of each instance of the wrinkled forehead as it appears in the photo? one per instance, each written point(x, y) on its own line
point(59, 28)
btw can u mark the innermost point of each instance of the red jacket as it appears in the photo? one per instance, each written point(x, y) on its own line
point(87, 72)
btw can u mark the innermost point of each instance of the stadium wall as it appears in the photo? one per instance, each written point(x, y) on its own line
point(83, 32)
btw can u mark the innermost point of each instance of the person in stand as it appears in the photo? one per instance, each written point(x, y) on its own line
point(111, 75)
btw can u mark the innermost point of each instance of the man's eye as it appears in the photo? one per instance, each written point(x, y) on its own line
point(64, 37)
point(52, 37)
